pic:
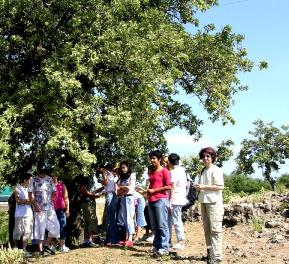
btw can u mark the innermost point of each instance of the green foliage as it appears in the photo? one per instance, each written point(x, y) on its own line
point(227, 195)
point(281, 188)
point(268, 149)
point(86, 81)
point(284, 179)
point(3, 227)
point(258, 223)
point(194, 165)
point(8, 256)
point(244, 185)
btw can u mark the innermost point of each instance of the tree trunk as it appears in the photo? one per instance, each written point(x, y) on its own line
point(272, 182)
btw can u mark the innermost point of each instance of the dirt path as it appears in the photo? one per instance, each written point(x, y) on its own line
point(241, 245)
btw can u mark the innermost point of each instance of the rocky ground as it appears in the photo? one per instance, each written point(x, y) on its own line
point(255, 232)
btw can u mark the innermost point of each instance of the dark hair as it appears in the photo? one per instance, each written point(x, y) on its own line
point(156, 153)
point(108, 166)
point(126, 175)
point(174, 159)
point(210, 151)
point(25, 176)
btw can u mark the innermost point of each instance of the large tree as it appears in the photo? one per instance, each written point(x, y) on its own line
point(86, 81)
point(268, 150)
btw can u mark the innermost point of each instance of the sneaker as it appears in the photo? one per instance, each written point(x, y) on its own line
point(41, 253)
point(27, 254)
point(121, 243)
point(90, 244)
point(128, 243)
point(179, 245)
point(64, 249)
point(150, 238)
point(154, 250)
point(48, 250)
point(162, 252)
point(137, 242)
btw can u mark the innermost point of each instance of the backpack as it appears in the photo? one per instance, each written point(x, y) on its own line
point(192, 194)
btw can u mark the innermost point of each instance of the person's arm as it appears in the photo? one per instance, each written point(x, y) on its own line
point(19, 200)
point(66, 200)
point(33, 202)
point(86, 193)
point(172, 192)
point(204, 187)
point(166, 182)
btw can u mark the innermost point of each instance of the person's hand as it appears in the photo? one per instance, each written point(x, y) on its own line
point(151, 191)
point(97, 195)
point(67, 214)
point(37, 207)
point(197, 187)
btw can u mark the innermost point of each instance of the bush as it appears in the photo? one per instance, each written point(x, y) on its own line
point(3, 227)
point(284, 180)
point(258, 223)
point(244, 185)
point(9, 255)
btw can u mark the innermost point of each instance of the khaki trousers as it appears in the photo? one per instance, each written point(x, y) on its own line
point(212, 215)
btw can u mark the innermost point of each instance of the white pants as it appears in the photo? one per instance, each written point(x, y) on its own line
point(46, 220)
point(212, 214)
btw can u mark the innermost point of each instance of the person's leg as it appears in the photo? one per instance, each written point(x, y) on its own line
point(52, 226)
point(170, 225)
point(39, 228)
point(130, 211)
point(60, 213)
point(178, 223)
point(154, 225)
point(17, 232)
point(216, 212)
point(161, 213)
point(111, 227)
point(28, 229)
point(206, 224)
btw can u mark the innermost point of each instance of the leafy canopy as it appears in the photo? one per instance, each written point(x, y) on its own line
point(268, 149)
point(86, 81)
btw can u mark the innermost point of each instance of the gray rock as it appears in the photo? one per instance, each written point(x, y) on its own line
point(272, 224)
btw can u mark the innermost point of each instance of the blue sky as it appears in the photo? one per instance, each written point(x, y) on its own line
point(265, 24)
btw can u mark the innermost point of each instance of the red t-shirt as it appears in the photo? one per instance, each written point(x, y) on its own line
point(159, 179)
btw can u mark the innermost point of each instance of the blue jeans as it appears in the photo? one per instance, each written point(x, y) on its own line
point(158, 212)
point(175, 219)
point(140, 217)
point(62, 222)
point(126, 213)
point(110, 223)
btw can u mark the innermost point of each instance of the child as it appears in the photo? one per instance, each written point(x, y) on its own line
point(23, 214)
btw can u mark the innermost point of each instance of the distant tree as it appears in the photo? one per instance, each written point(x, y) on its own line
point(284, 180)
point(268, 149)
point(194, 165)
point(89, 81)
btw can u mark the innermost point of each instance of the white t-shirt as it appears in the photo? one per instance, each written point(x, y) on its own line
point(211, 176)
point(129, 182)
point(23, 210)
point(111, 182)
point(179, 179)
point(42, 189)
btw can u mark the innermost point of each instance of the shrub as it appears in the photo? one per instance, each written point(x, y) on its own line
point(3, 227)
point(257, 223)
point(244, 184)
point(9, 255)
point(284, 179)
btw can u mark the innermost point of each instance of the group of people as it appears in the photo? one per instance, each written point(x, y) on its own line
point(42, 208)
point(165, 195)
